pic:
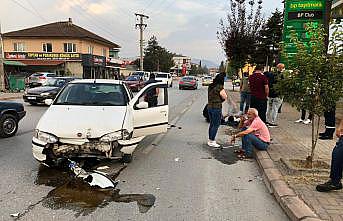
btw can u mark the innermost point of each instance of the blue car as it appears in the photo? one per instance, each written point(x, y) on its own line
point(10, 114)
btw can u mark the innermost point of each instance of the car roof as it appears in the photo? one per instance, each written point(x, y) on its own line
point(101, 81)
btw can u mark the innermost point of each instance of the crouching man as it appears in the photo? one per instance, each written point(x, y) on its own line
point(254, 133)
point(336, 164)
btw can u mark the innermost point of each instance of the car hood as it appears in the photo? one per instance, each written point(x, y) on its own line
point(91, 121)
point(38, 90)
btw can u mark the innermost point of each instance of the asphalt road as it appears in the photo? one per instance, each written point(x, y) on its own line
point(172, 177)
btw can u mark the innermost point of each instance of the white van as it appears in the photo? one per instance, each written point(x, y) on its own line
point(164, 77)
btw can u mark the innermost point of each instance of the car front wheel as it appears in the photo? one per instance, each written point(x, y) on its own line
point(8, 125)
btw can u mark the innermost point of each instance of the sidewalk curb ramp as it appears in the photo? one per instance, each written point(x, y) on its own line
point(294, 207)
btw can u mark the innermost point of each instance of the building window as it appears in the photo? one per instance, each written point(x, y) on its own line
point(90, 49)
point(19, 46)
point(69, 47)
point(104, 52)
point(47, 47)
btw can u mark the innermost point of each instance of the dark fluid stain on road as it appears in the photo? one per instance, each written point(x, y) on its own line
point(74, 194)
point(225, 156)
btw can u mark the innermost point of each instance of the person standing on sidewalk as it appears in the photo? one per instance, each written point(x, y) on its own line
point(245, 94)
point(216, 96)
point(303, 117)
point(330, 122)
point(274, 100)
point(336, 164)
point(254, 134)
point(259, 90)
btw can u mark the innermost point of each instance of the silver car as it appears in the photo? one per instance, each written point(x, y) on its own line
point(39, 78)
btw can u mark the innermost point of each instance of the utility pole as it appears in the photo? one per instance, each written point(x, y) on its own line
point(141, 27)
point(2, 71)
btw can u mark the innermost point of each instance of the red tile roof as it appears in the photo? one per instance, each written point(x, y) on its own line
point(59, 30)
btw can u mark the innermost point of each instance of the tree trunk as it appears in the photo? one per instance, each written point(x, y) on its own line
point(315, 129)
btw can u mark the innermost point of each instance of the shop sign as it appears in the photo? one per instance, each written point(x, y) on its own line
point(42, 56)
point(93, 60)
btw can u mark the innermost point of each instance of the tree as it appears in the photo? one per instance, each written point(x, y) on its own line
point(157, 58)
point(270, 35)
point(222, 67)
point(316, 82)
point(238, 37)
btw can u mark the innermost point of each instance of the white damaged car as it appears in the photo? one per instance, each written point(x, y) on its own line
point(98, 118)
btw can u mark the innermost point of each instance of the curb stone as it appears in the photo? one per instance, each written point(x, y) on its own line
point(294, 207)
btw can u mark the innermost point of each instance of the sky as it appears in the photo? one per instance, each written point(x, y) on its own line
point(186, 27)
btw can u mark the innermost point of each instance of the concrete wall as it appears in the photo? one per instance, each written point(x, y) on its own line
point(36, 45)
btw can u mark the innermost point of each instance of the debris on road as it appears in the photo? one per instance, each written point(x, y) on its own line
point(14, 214)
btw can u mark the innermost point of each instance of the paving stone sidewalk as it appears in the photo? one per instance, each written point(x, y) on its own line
point(293, 141)
point(10, 96)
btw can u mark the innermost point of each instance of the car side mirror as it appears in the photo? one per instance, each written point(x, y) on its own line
point(48, 101)
point(142, 105)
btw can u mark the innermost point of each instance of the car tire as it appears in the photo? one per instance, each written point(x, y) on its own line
point(171, 85)
point(8, 125)
point(33, 103)
point(180, 88)
point(127, 158)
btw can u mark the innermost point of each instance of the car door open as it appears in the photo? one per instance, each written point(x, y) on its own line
point(150, 110)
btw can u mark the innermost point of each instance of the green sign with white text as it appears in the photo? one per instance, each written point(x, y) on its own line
point(297, 14)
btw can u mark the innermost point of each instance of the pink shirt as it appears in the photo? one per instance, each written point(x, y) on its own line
point(260, 129)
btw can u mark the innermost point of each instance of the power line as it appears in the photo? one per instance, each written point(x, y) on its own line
point(34, 8)
point(22, 6)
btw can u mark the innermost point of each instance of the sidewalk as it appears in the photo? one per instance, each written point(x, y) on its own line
point(10, 96)
point(293, 141)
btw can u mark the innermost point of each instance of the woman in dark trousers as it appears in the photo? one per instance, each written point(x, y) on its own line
point(216, 95)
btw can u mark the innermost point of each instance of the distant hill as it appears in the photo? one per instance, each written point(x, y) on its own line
point(209, 64)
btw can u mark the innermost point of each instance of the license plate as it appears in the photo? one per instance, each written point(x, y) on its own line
point(31, 98)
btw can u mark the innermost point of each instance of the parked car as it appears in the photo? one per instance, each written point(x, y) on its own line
point(135, 83)
point(207, 80)
point(143, 74)
point(98, 118)
point(10, 114)
point(189, 82)
point(164, 77)
point(39, 78)
point(48, 91)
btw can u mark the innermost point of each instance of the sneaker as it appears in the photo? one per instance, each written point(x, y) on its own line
point(213, 143)
point(326, 137)
point(272, 125)
point(307, 121)
point(328, 186)
point(299, 121)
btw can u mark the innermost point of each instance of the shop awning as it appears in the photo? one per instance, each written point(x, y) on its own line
point(41, 62)
point(13, 63)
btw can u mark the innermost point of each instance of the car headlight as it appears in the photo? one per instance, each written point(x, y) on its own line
point(122, 134)
point(45, 137)
point(45, 94)
point(111, 137)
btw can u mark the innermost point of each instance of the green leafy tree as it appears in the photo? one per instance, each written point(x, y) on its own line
point(315, 82)
point(270, 35)
point(157, 58)
point(238, 35)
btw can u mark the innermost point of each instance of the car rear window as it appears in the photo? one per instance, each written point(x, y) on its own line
point(93, 94)
point(162, 75)
point(188, 78)
point(37, 75)
point(51, 75)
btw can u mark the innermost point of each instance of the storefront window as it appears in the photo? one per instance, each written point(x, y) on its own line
point(47, 47)
point(19, 46)
point(69, 47)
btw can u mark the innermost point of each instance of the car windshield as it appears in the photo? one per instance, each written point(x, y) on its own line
point(93, 94)
point(138, 73)
point(55, 82)
point(207, 78)
point(162, 75)
point(37, 75)
point(132, 78)
point(188, 79)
